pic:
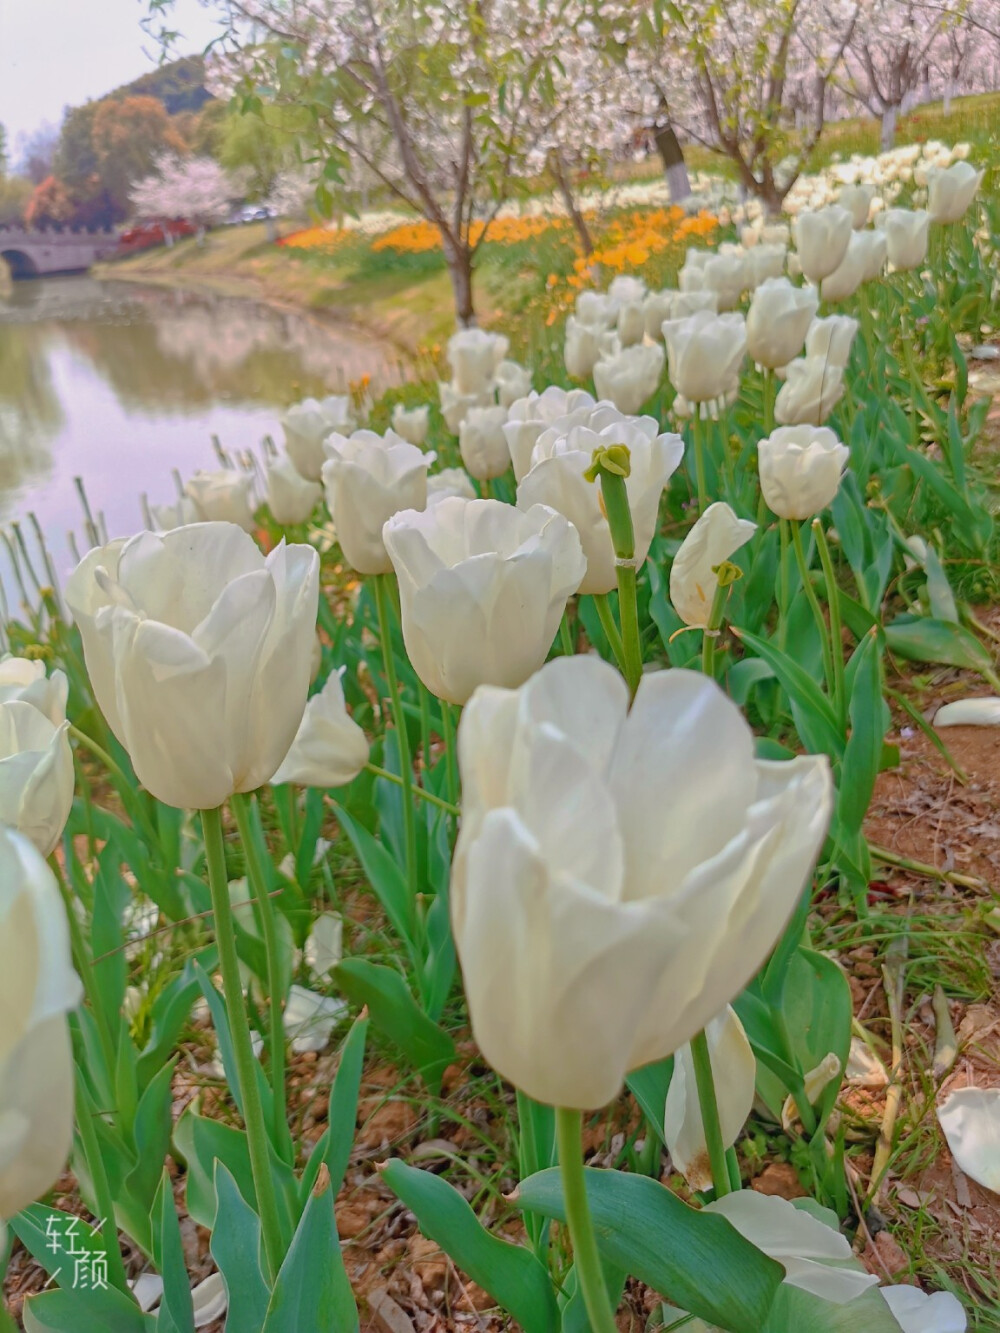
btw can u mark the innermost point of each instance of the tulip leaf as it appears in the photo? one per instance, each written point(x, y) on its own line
point(235, 1246)
point(512, 1274)
point(815, 719)
point(70, 1310)
point(869, 722)
point(170, 1012)
point(921, 639)
point(311, 1290)
point(334, 1147)
point(648, 1086)
point(696, 1260)
point(797, 1309)
point(395, 1012)
point(383, 874)
point(176, 1313)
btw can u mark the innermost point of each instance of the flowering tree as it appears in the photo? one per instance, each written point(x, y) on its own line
point(191, 187)
point(444, 105)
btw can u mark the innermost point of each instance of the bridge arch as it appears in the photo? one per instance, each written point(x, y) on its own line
point(21, 265)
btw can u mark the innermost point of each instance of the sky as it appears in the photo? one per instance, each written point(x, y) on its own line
point(59, 53)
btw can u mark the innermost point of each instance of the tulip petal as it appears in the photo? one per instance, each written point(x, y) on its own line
point(174, 577)
point(970, 1119)
point(36, 1113)
point(916, 1312)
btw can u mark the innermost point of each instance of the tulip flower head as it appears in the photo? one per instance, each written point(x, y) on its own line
point(530, 416)
point(812, 389)
point(705, 353)
point(778, 320)
point(821, 239)
point(832, 339)
point(199, 652)
point(619, 874)
point(632, 377)
point(474, 356)
point(329, 749)
point(951, 190)
point(482, 588)
point(800, 470)
point(36, 773)
point(290, 497)
point(369, 478)
point(483, 443)
point(714, 538)
point(224, 496)
point(411, 424)
point(907, 232)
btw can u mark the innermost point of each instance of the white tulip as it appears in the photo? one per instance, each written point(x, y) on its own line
point(951, 191)
point(821, 239)
point(483, 443)
point(692, 279)
point(631, 377)
point(979, 712)
point(857, 199)
point(776, 233)
point(631, 323)
point(36, 1060)
point(655, 309)
point(482, 588)
point(765, 261)
point(474, 356)
point(907, 232)
point(329, 749)
point(177, 515)
point(735, 1070)
point(715, 537)
point(324, 946)
point(726, 275)
point(411, 424)
point(873, 249)
point(367, 480)
point(199, 651)
point(599, 310)
point(696, 257)
point(778, 320)
point(529, 416)
point(456, 406)
point(36, 774)
point(25, 680)
point(832, 339)
point(800, 470)
point(513, 381)
point(626, 288)
point(306, 426)
point(556, 478)
point(585, 345)
point(619, 875)
point(449, 481)
point(812, 389)
point(223, 497)
point(916, 1312)
point(290, 497)
point(849, 274)
point(705, 352)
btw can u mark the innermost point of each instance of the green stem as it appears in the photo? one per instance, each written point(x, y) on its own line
point(709, 1106)
point(127, 790)
point(448, 736)
point(566, 636)
point(711, 630)
point(833, 601)
point(768, 395)
point(628, 610)
point(84, 965)
point(402, 737)
point(246, 1064)
point(275, 992)
point(698, 440)
point(607, 619)
point(817, 610)
point(103, 1198)
point(590, 1276)
point(784, 590)
point(420, 792)
point(733, 1166)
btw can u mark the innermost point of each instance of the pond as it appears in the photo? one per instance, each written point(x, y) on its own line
point(121, 385)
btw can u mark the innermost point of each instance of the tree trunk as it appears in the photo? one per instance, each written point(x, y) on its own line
point(558, 168)
point(674, 167)
point(888, 127)
point(459, 259)
point(949, 89)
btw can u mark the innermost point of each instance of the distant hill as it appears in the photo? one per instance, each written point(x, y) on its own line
point(180, 86)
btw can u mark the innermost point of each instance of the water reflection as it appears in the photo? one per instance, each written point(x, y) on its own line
point(121, 384)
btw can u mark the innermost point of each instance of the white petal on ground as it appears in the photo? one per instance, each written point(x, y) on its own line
point(970, 1119)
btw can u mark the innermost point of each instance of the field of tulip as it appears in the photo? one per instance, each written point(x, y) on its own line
point(441, 882)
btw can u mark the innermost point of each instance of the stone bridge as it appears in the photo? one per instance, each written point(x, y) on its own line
point(33, 254)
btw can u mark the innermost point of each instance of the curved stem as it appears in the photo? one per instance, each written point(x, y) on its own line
point(709, 1105)
point(134, 805)
point(833, 601)
point(276, 1044)
point(569, 1137)
point(402, 737)
point(784, 591)
point(607, 619)
point(239, 1027)
point(419, 792)
point(817, 610)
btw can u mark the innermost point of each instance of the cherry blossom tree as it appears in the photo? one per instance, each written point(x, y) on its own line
point(196, 188)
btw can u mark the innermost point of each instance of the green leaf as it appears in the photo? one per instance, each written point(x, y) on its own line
point(863, 752)
point(382, 873)
point(235, 1246)
point(815, 719)
point(696, 1260)
point(151, 1131)
point(176, 1314)
point(71, 1311)
point(395, 1012)
point(922, 639)
point(334, 1147)
point(510, 1273)
point(648, 1086)
point(312, 1290)
point(797, 1309)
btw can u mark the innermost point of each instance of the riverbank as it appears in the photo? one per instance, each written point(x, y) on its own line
point(406, 310)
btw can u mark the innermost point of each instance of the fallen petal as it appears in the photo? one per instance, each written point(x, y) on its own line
point(982, 712)
point(970, 1119)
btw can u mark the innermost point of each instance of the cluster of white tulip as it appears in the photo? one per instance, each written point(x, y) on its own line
point(606, 338)
point(484, 383)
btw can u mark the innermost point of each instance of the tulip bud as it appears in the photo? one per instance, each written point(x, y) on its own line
point(951, 191)
point(822, 239)
point(631, 377)
point(778, 320)
point(474, 356)
point(906, 234)
point(800, 470)
point(306, 426)
point(694, 575)
point(290, 498)
point(857, 199)
point(36, 774)
point(483, 444)
point(25, 680)
point(849, 274)
point(831, 339)
point(223, 497)
point(812, 389)
point(410, 424)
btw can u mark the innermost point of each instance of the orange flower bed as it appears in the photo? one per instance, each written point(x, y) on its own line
point(317, 238)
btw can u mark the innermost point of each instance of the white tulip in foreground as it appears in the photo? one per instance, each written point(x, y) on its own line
point(36, 1062)
point(290, 497)
point(329, 749)
point(734, 1069)
point(369, 478)
point(556, 478)
point(223, 496)
point(983, 712)
point(873, 247)
point(199, 652)
point(631, 378)
point(812, 389)
point(36, 774)
point(482, 587)
point(951, 190)
point(716, 536)
point(851, 272)
point(411, 424)
point(619, 875)
point(800, 470)
point(821, 239)
point(705, 352)
point(778, 320)
point(970, 1118)
point(529, 416)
